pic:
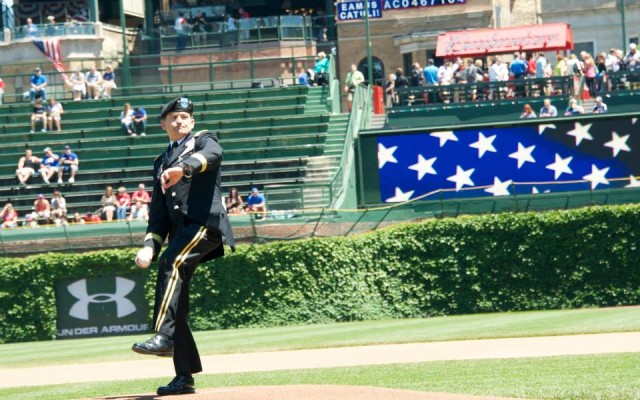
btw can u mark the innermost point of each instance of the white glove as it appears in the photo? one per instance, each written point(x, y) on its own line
point(144, 256)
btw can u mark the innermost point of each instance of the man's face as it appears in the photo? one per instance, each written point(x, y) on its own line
point(177, 124)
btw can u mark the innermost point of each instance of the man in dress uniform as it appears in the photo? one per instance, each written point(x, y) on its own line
point(186, 206)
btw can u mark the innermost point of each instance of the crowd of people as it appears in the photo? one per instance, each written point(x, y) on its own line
point(125, 207)
point(91, 84)
point(256, 203)
point(47, 166)
point(548, 110)
point(497, 75)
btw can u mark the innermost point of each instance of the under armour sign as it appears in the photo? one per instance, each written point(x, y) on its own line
point(102, 306)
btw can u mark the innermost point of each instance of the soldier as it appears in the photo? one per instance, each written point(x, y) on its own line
point(186, 206)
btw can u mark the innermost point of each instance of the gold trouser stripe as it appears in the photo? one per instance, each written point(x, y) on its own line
point(202, 160)
point(171, 287)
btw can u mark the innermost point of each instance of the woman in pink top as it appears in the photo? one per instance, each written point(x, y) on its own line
point(590, 74)
point(9, 216)
point(123, 203)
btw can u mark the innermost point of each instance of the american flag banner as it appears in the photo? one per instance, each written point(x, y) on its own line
point(51, 49)
point(544, 156)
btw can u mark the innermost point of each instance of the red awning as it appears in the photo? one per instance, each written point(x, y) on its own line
point(547, 37)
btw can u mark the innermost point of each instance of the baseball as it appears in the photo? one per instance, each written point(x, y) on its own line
point(143, 258)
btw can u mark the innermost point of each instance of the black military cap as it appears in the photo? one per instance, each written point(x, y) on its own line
point(178, 104)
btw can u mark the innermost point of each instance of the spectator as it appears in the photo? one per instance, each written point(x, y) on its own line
point(574, 108)
point(243, 14)
point(139, 121)
point(200, 28)
point(94, 79)
point(527, 112)
point(49, 165)
point(498, 72)
point(142, 195)
point(548, 110)
point(38, 115)
point(234, 202)
point(612, 62)
point(139, 212)
point(430, 78)
point(108, 202)
point(123, 203)
point(30, 221)
point(181, 26)
point(55, 112)
point(41, 208)
point(353, 80)
point(256, 203)
point(561, 66)
point(303, 78)
point(52, 29)
point(541, 66)
point(77, 84)
point(68, 163)
point(321, 69)
point(1, 90)
point(416, 78)
point(9, 216)
point(632, 59)
point(38, 86)
point(600, 107)
point(126, 120)
point(26, 166)
point(390, 92)
point(77, 218)
point(590, 73)
point(58, 209)
point(91, 218)
point(518, 69)
point(244, 23)
point(30, 28)
point(108, 82)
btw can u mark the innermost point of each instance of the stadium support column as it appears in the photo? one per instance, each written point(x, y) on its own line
point(126, 71)
point(368, 39)
point(93, 11)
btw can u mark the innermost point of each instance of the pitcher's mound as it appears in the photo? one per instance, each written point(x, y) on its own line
point(307, 392)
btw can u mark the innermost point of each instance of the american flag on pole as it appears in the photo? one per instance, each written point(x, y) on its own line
point(51, 49)
point(538, 157)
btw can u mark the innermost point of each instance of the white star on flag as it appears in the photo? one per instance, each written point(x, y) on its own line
point(560, 166)
point(542, 127)
point(618, 143)
point(499, 188)
point(580, 132)
point(597, 176)
point(386, 155)
point(633, 182)
point(445, 136)
point(536, 191)
point(424, 166)
point(400, 196)
point(523, 155)
point(462, 177)
point(484, 144)
point(634, 120)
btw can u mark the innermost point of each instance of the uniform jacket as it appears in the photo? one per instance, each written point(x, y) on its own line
point(195, 200)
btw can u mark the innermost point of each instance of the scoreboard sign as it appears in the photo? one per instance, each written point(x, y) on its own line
point(404, 4)
point(354, 10)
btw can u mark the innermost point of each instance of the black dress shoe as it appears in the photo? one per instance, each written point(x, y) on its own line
point(158, 345)
point(181, 384)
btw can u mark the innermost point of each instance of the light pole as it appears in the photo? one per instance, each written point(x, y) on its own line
point(624, 26)
point(368, 39)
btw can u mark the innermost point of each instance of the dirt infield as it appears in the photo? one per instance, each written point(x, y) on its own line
point(157, 367)
point(307, 392)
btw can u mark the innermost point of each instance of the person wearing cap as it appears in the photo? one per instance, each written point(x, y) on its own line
point(52, 28)
point(139, 120)
point(68, 163)
point(186, 208)
point(38, 86)
point(38, 115)
point(49, 165)
point(256, 203)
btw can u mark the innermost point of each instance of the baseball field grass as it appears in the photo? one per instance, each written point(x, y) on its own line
point(606, 377)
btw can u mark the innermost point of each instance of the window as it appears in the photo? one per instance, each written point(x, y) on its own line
point(585, 46)
point(378, 70)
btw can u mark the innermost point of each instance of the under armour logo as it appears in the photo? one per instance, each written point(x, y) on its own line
point(80, 309)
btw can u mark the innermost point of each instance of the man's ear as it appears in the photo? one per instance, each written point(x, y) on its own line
point(162, 125)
